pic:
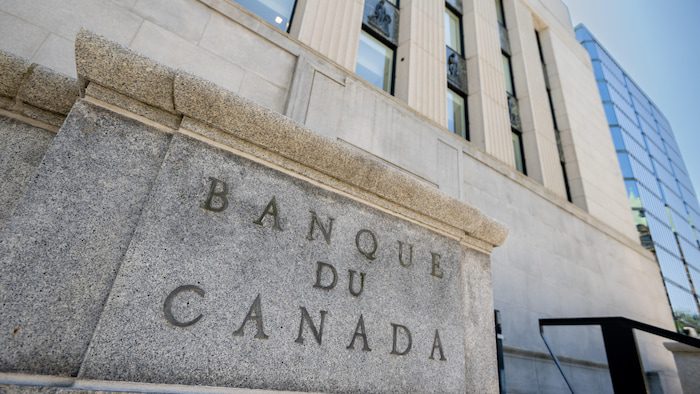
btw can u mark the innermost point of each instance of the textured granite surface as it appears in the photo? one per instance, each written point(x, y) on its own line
point(12, 71)
point(236, 267)
point(111, 65)
point(21, 148)
point(60, 250)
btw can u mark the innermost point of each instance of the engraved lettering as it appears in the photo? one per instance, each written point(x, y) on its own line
point(362, 283)
point(410, 255)
point(317, 223)
point(395, 328)
point(437, 345)
point(255, 314)
point(319, 276)
point(270, 209)
point(435, 270)
point(222, 201)
point(362, 246)
point(360, 332)
point(305, 317)
point(168, 305)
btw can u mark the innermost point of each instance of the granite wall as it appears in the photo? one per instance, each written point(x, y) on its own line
point(177, 234)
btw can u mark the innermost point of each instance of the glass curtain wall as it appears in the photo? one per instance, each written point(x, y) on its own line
point(662, 198)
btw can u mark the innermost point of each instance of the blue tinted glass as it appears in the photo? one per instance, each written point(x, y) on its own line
point(616, 133)
point(625, 166)
point(681, 300)
point(662, 234)
point(275, 12)
point(672, 267)
point(610, 113)
point(603, 89)
point(375, 62)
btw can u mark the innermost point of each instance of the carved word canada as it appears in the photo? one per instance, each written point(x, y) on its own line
point(366, 244)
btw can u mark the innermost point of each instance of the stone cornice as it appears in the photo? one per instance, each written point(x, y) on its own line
point(116, 68)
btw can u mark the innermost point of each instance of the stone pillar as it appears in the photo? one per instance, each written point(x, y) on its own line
point(421, 80)
point(330, 27)
point(539, 140)
point(489, 123)
point(688, 364)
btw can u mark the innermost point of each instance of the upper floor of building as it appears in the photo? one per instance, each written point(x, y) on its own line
point(396, 78)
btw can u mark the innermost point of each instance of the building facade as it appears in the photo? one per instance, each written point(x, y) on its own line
point(491, 102)
point(663, 201)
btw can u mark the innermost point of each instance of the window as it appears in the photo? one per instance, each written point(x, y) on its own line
point(453, 31)
point(375, 62)
point(278, 13)
point(499, 13)
point(456, 113)
point(378, 41)
point(513, 110)
point(518, 149)
point(508, 74)
point(456, 69)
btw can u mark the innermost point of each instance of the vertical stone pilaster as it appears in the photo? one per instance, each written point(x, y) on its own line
point(330, 27)
point(489, 123)
point(421, 79)
point(539, 140)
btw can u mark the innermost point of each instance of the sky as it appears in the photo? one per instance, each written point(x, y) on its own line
point(658, 43)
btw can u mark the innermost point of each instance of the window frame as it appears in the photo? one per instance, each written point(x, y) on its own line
point(291, 15)
point(458, 14)
point(367, 30)
point(384, 41)
point(465, 113)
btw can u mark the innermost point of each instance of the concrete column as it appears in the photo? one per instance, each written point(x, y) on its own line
point(489, 122)
point(331, 27)
point(539, 140)
point(595, 179)
point(421, 78)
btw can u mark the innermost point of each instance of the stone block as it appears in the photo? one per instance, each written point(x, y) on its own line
point(186, 18)
point(168, 48)
point(49, 90)
point(103, 17)
point(248, 50)
point(227, 261)
point(688, 363)
point(21, 148)
point(57, 54)
point(12, 71)
point(26, 38)
point(60, 250)
point(111, 65)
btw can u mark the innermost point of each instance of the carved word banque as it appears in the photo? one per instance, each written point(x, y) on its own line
point(326, 278)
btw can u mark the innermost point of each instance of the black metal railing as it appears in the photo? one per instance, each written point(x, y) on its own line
point(624, 363)
point(456, 70)
point(383, 18)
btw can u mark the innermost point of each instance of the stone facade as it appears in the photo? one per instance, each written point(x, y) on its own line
point(560, 260)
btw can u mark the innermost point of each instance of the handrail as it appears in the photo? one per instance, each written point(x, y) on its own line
point(624, 363)
point(590, 321)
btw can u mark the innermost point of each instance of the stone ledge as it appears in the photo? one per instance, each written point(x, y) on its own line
point(34, 91)
point(677, 347)
point(115, 67)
